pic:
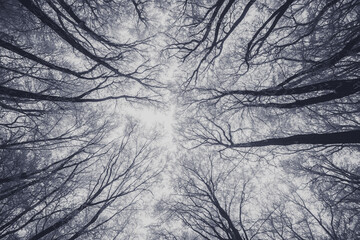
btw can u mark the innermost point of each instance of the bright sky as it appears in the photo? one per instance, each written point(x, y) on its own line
point(161, 119)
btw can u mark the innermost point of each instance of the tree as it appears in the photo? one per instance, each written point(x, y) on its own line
point(284, 76)
point(277, 83)
point(279, 35)
point(268, 125)
point(71, 28)
point(81, 195)
point(214, 198)
point(60, 54)
point(63, 173)
point(333, 209)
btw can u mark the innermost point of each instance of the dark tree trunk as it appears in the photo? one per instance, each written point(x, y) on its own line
point(352, 136)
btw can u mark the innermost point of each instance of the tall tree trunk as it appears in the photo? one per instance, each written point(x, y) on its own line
point(352, 136)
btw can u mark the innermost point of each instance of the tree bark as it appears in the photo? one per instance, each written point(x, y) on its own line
point(42, 97)
point(352, 136)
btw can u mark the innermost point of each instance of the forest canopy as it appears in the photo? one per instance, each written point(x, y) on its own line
point(265, 129)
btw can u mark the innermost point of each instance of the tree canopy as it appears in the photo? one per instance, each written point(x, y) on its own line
point(266, 127)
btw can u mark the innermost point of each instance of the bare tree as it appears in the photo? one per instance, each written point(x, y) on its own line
point(68, 53)
point(214, 199)
point(312, 35)
point(277, 79)
point(61, 54)
point(64, 172)
point(300, 216)
point(333, 209)
point(309, 197)
point(89, 192)
point(287, 78)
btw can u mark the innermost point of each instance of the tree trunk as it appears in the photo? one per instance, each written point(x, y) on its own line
point(352, 136)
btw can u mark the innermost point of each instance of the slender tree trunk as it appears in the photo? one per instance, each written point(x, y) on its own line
point(352, 136)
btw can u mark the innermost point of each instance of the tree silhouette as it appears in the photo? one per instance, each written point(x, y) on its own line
point(64, 174)
point(277, 83)
point(267, 119)
point(65, 198)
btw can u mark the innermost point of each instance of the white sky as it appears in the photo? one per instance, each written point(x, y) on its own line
point(151, 117)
